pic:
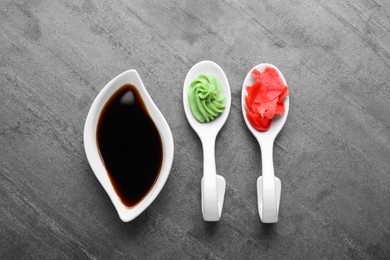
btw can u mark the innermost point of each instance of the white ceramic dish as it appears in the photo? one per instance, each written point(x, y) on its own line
point(213, 185)
point(268, 186)
point(90, 144)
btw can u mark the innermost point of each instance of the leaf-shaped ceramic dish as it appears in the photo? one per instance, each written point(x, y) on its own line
point(91, 146)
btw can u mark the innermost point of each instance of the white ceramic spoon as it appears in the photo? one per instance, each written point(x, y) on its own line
point(268, 186)
point(213, 185)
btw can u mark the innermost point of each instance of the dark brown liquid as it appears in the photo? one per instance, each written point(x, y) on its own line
point(130, 145)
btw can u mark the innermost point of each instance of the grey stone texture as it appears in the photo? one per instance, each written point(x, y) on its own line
point(333, 155)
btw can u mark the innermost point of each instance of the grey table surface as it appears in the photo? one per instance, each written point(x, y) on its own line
point(333, 156)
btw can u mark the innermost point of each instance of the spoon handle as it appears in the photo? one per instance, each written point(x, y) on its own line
point(269, 208)
point(209, 181)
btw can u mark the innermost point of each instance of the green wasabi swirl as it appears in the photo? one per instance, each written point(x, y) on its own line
point(206, 98)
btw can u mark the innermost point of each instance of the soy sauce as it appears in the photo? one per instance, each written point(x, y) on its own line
point(129, 144)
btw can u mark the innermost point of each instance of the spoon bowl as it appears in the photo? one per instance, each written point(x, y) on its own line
point(213, 185)
point(268, 186)
point(279, 121)
point(213, 127)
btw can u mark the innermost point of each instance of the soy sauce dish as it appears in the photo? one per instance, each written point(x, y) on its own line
point(129, 144)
